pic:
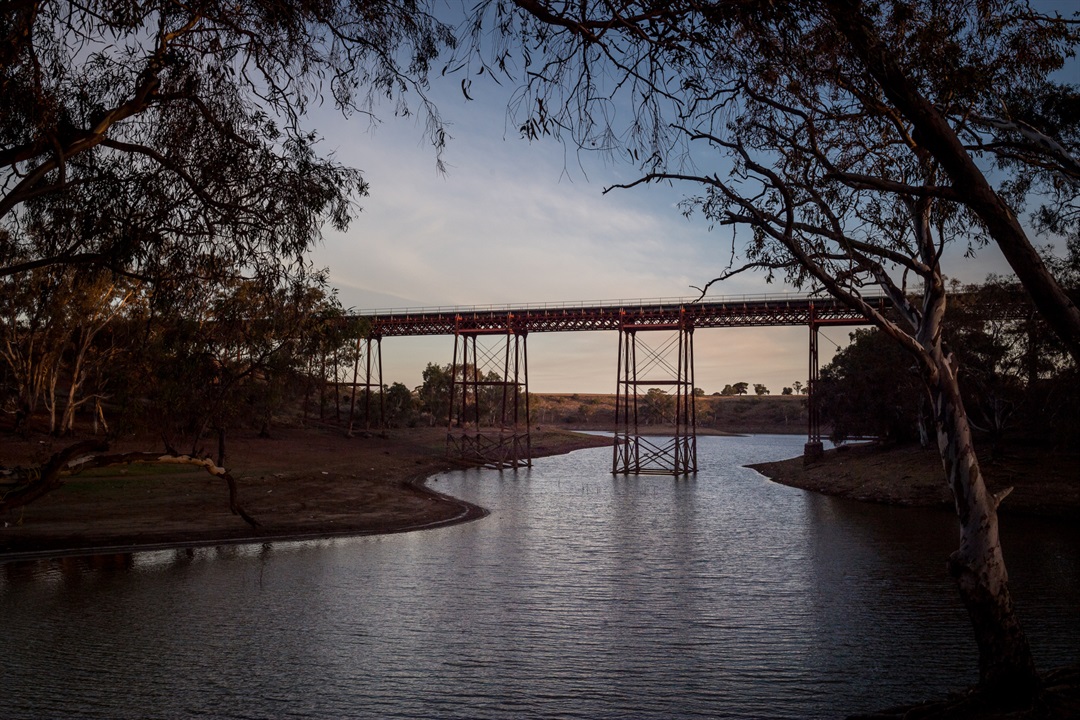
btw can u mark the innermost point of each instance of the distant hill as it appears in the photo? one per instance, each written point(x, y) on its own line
point(731, 414)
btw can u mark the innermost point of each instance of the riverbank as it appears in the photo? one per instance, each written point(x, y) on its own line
point(1044, 484)
point(1044, 481)
point(318, 483)
point(299, 484)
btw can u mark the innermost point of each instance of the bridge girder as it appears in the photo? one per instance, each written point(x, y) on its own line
point(509, 446)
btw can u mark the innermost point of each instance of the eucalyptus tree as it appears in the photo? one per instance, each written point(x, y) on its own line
point(214, 360)
point(31, 340)
point(870, 388)
point(161, 139)
point(854, 141)
point(434, 393)
point(166, 142)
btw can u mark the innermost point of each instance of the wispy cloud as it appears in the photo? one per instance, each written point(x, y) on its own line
point(515, 222)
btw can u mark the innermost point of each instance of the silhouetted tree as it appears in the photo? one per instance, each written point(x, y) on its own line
point(167, 139)
point(400, 405)
point(434, 394)
point(852, 138)
point(871, 387)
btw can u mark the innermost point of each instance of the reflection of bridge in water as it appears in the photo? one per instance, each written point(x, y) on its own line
point(491, 361)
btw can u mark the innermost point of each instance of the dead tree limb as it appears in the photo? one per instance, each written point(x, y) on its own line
point(88, 454)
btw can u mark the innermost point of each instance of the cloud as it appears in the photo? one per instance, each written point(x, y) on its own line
point(516, 223)
point(506, 225)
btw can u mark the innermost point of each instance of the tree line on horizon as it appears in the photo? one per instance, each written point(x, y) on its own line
point(194, 368)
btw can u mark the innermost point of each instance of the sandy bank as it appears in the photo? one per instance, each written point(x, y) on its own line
point(299, 484)
point(1045, 483)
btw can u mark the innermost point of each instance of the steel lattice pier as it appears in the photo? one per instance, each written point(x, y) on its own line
point(488, 422)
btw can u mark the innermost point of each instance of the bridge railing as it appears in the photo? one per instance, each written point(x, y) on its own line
point(578, 304)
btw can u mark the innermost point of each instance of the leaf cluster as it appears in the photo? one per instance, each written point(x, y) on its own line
point(164, 140)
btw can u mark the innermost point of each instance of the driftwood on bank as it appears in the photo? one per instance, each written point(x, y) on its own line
point(34, 483)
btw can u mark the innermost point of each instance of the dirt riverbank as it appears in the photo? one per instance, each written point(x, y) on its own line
point(300, 483)
point(1045, 482)
point(311, 483)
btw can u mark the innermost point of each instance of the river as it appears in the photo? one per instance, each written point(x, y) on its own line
point(582, 595)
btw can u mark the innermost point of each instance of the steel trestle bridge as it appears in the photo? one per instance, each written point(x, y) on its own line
point(490, 366)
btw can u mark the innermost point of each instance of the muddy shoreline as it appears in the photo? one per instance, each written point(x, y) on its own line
point(1044, 481)
point(300, 485)
point(312, 484)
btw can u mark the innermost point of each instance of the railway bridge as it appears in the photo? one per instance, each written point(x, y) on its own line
point(655, 349)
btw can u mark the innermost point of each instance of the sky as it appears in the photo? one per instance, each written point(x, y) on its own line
point(518, 222)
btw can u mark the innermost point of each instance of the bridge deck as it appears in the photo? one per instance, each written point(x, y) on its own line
point(749, 311)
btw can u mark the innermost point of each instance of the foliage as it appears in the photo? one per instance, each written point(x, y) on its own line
point(658, 407)
point(400, 406)
point(434, 394)
point(209, 362)
point(871, 388)
point(163, 140)
point(52, 337)
point(853, 141)
point(1009, 358)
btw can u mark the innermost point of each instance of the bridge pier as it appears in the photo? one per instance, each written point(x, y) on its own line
point(674, 360)
point(814, 448)
point(369, 353)
point(489, 397)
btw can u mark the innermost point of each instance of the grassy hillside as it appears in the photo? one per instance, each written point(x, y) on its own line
point(734, 414)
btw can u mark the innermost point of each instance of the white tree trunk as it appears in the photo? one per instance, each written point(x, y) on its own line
point(1006, 668)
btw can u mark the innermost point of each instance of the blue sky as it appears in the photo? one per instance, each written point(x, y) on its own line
point(519, 222)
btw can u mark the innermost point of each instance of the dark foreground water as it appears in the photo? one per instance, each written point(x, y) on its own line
point(581, 596)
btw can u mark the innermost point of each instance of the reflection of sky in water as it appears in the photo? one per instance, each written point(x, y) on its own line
point(581, 595)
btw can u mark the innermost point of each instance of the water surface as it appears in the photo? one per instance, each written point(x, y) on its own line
point(581, 596)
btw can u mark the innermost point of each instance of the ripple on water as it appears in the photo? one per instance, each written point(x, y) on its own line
point(581, 596)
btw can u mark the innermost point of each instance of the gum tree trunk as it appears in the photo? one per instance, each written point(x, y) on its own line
point(1006, 668)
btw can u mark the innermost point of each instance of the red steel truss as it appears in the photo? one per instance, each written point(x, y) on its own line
point(743, 312)
point(490, 377)
point(667, 364)
point(506, 443)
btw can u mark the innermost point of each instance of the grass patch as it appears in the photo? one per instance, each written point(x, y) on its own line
point(139, 470)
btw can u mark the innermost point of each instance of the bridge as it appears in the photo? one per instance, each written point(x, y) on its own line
point(497, 366)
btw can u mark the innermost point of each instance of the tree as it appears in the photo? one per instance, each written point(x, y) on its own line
point(871, 388)
point(851, 139)
point(740, 388)
point(786, 391)
point(658, 406)
point(1010, 359)
point(164, 140)
point(164, 143)
point(760, 389)
point(208, 362)
point(32, 339)
point(400, 405)
point(434, 394)
point(944, 80)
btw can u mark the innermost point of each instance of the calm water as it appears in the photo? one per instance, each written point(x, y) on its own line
point(581, 596)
